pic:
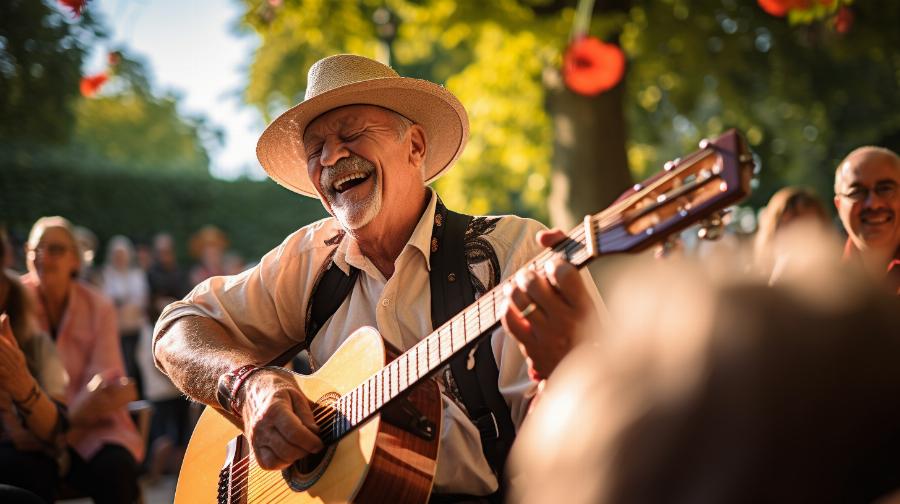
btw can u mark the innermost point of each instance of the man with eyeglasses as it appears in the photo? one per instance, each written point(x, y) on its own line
point(868, 202)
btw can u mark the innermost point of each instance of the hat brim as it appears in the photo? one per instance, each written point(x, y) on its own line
point(281, 152)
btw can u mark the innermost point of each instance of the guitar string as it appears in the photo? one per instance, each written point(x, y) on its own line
point(485, 304)
point(384, 386)
point(471, 324)
point(604, 220)
point(243, 467)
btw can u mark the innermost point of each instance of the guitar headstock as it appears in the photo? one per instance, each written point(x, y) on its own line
point(688, 190)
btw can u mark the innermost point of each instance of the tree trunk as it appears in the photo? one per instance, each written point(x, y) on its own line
point(590, 165)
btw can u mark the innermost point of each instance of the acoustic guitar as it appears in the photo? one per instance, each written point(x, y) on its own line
point(379, 411)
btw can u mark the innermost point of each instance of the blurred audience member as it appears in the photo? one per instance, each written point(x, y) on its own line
point(723, 390)
point(87, 249)
point(233, 263)
point(7, 256)
point(105, 446)
point(787, 210)
point(168, 280)
point(868, 202)
point(143, 256)
point(171, 425)
point(32, 389)
point(208, 246)
point(126, 285)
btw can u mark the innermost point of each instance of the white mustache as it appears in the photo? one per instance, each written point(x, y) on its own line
point(342, 167)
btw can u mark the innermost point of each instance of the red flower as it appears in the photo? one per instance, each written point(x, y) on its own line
point(91, 84)
point(843, 20)
point(591, 67)
point(76, 6)
point(780, 8)
point(777, 8)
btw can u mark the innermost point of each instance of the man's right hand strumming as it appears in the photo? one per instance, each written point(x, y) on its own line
point(278, 419)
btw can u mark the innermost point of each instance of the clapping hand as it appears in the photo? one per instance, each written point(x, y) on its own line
point(15, 378)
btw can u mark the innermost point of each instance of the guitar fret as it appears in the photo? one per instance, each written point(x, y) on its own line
point(371, 393)
point(404, 374)
point(395, 379)
point(352, 399)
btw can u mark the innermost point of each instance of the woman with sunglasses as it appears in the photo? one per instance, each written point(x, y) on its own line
point(104, 445)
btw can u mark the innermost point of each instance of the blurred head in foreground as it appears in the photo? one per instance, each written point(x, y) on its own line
point(731, 391)
point(787, 210)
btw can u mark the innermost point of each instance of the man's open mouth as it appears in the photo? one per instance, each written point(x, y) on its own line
point(349, 181)
point(877, 218)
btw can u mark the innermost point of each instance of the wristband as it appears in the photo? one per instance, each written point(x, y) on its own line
point(33, 394)
point(228, 386)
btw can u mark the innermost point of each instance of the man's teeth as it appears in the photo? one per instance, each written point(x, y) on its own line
point(339, 183)
point(877, 219)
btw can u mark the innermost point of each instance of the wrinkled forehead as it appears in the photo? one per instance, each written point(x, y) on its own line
point(348, 116)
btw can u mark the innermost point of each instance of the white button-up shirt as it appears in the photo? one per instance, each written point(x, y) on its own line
point(265, 307)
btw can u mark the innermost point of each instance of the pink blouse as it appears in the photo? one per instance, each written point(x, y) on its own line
point(88, 343)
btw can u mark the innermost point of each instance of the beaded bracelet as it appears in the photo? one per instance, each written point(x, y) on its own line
point(33, 394)
point(228, 386)
point(23, 406)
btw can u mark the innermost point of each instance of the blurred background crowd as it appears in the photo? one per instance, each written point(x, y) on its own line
point(570, 103)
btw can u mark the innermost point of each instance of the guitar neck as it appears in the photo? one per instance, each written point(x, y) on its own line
point(688, 190)
point(435, 350)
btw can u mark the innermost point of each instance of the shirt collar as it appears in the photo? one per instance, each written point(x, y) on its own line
point(349, 254)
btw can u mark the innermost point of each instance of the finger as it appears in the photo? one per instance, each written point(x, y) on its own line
point(276, 435)
point(515, 296)
point(6, 329)
point(517, 326)
point(550, 237)
point(310, 429)
point(526, 307)
point(538, 289)
point(268, 459)
point(569, 283)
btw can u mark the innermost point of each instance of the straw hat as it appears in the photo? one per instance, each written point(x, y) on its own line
point(347, 79)
point(207, 236)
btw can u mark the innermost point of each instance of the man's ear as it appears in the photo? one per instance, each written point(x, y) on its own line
point(837, 202)
point(418, 145)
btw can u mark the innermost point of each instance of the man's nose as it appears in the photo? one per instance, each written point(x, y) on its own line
point(873, 200)
point(332, 150)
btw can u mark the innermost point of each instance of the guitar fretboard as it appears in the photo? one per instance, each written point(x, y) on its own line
point(435, 350)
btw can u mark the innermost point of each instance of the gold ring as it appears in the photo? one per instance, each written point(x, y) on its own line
point(529, 310)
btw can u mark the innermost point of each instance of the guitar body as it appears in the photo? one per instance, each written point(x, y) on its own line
point(377, 462)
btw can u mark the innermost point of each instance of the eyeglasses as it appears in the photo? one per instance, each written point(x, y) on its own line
point(884, 190)
point(51, 249)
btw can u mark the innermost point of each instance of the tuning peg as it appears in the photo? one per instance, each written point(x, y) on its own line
point(704, 143)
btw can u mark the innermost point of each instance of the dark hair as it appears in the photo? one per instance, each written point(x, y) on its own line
point(16, 304)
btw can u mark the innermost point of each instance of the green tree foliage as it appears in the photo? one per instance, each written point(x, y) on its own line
point(44, 119)
point(804, 94)
point(126, 125)
point(41, 53)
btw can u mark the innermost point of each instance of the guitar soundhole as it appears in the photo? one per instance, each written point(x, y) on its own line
point(305, 472)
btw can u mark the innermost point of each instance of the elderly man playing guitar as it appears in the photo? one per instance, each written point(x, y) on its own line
point(366, 141)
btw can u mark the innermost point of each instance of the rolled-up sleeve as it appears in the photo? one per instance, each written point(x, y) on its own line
point(262, 309)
